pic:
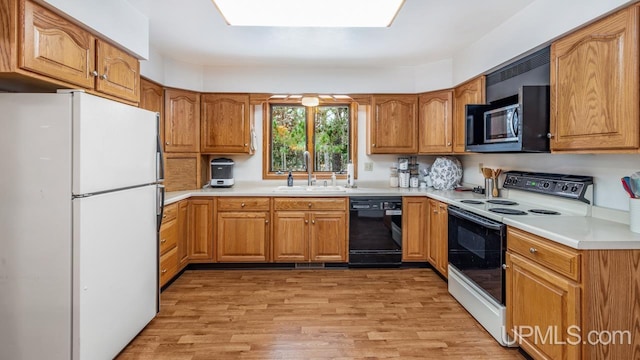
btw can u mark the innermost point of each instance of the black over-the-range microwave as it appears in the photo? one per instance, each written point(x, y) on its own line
point(516, 116)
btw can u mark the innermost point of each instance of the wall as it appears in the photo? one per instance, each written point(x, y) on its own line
point(116, 20)
point(249, 168)
point(606, 170)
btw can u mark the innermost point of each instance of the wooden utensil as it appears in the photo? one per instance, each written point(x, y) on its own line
point(487, 172)
point(494, 175)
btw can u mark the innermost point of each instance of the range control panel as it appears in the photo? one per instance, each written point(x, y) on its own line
point(567, 186)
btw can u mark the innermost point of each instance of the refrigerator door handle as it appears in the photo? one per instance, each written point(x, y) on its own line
point(160, 205)
point(159, 152)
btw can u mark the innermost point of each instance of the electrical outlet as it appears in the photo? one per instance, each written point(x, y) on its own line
point(481, 165)
point(368, 166)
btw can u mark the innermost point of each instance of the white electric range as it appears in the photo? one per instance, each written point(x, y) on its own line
point(477, 237)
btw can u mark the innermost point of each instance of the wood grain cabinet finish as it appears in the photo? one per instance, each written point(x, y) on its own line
point(59, 49)
point(594, 86)
point(183, 234)
point(243, 230)
point(200, 242)
point(182, 121)
point(392, 126)
point(571, 294)
point(435, 127)
point(438, 245)
point(470, 92)
point(168, 241)
point(225, 125)
point(152, 99)
point(302, 234)
point(415, 217)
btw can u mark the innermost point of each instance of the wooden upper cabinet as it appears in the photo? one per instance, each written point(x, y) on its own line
point(118, 72)
point(152, 99)
point(182, 121)
point(55, 47)
point(435, 129)
point(470, 92)
point(225, 124)
point(393, 124)
point(595, 84)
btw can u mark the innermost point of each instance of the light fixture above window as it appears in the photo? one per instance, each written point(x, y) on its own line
point(310, 101)
point(309, 13)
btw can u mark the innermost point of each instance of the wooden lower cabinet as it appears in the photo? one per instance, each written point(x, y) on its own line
point(307, 235)
point(414, 228)
point(564, 303)
point(242, 229)
point(438, 243)
point(200, 241)
point(183, 234)
point(167, 244)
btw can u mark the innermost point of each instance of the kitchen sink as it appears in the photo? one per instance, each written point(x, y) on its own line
point(315, 189)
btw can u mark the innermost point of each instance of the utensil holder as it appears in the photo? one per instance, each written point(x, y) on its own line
point(488, 188)
point(634, 215)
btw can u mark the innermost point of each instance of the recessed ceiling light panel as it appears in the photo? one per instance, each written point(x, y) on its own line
point(309, 13)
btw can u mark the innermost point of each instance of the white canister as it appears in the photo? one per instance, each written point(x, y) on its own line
point(413, 181)
point(634, 215)
point(403, 179)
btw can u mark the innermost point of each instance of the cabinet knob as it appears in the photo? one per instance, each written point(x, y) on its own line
point(550, 135)
point(94, 73)
point(435, 211)
point(313, 221)
point(167, 143)
point(103, 76)
point(163, 241)
point(242, 205)
point(164, 216)
point(306, 221)
point(374, 145)
point(164, 271)
point(266, 221)
point(245, 145)
point(533, 250)
point(309, 204)
point(505, 266)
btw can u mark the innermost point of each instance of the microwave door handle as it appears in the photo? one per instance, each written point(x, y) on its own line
point(513, 122)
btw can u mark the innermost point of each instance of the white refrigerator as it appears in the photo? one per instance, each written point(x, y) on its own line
point(79, 213)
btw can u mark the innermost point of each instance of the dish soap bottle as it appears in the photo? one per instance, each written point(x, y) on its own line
point(333, 179)
point(290, 179)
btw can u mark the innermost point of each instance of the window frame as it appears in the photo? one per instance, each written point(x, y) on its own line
point(299, 175)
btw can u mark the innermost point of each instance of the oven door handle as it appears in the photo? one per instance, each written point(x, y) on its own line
point(453, 211)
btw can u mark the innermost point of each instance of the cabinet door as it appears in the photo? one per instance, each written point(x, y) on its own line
point(442, 263)
point(393, 127)
point(328, 237)
point(594, 86)
point(541, 306)
point(242, 236)
point(118, 72)
point(152, 99)
point(471, 92)
point(54, 47)
point(290, 236)
point(414, 228)
point(225, 125)
point(182, 121)
point(200, 235)
point(434, 125)
point(183, 234)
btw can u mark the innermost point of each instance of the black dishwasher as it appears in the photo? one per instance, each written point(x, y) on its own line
point(375, 231)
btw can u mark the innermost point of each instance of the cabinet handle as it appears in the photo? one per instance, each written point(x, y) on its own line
point(164, 271)
point(242, 205)
point(103, 76)
point(94, 73)
point(163, 241)
point(533, 250)
point(550, 136)
point(306, 221)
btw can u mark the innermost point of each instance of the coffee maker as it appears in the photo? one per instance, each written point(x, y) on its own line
point(221, 172)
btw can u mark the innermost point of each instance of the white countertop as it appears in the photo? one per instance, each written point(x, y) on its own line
point(578, 232)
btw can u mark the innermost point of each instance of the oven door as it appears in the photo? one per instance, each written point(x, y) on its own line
point(476, 248)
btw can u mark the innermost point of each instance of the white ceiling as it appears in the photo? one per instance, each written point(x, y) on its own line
point(424, 31)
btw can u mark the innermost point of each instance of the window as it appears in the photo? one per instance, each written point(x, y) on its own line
point(327, 131)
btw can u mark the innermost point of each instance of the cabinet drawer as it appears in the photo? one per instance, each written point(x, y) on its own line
point(168, 235)
point(556, 257)
point(170, 212)
point(310, 204)
point(243, 203)
point(168, 265)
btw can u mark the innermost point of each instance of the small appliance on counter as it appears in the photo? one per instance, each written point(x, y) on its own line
point(221, 172)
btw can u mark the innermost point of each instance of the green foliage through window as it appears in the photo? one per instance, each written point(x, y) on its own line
point(330, 144)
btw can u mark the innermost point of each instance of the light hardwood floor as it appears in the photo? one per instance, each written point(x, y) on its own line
point(312, 314)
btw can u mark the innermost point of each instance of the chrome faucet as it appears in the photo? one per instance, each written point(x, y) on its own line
point(307, 163)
